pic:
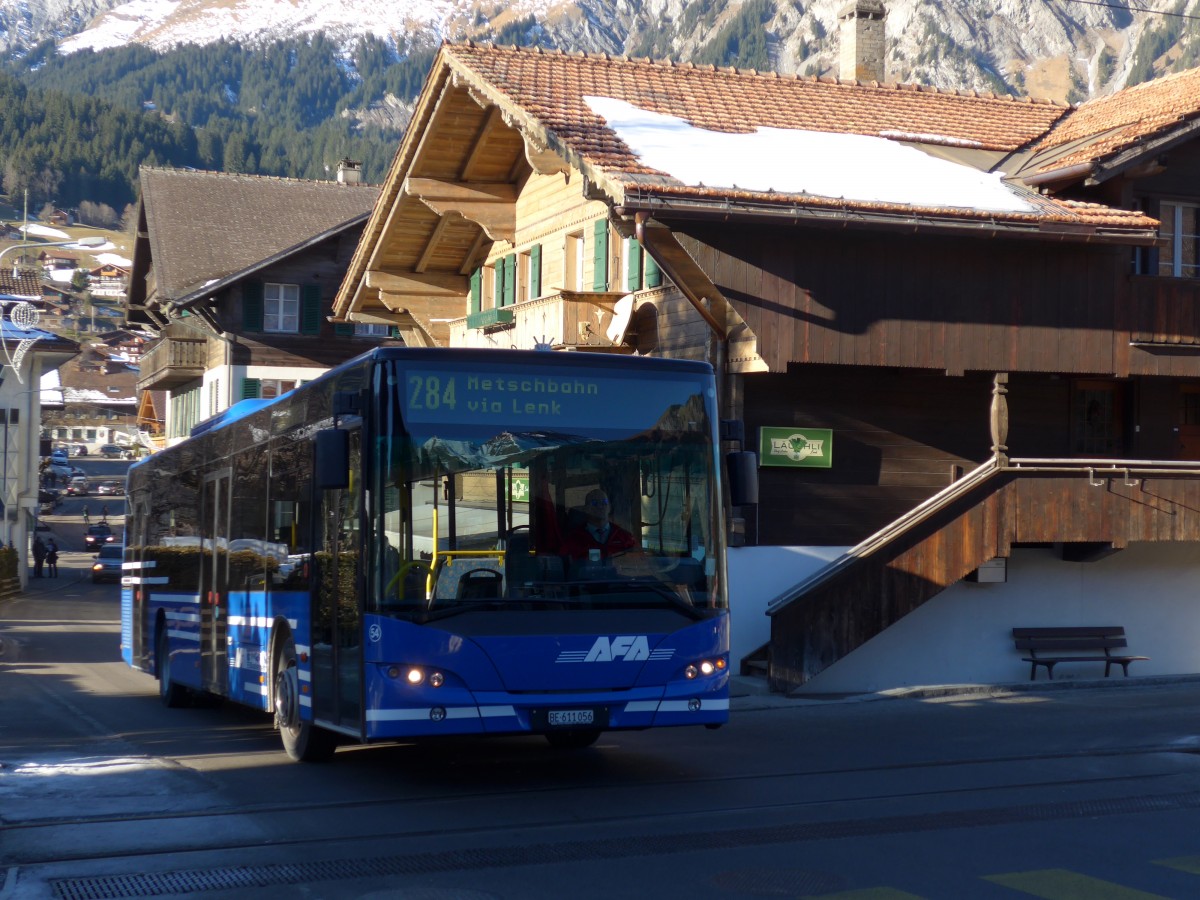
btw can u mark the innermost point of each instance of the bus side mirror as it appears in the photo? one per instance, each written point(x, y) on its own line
point(743, 477)
point(332, 469)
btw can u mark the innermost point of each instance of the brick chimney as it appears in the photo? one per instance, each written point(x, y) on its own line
point(862, 40)
point(349, 172)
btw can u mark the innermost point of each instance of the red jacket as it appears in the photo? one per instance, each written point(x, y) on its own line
point(577, 544)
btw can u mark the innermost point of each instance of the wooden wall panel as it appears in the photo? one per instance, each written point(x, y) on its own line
point(947, 304)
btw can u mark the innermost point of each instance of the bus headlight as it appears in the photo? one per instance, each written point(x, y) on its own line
point(416, 676)
point(704, 667)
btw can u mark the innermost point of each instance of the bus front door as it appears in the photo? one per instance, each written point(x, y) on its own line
point(214, 583)
point(337, 617)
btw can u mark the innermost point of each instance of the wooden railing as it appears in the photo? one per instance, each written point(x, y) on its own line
point(172, 361)
point(575, 319)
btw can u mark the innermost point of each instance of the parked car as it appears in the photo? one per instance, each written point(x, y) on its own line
point(77, 450)
point(59, 457)
point(64, 471)
point(112, 488)
point(48, 499)
point(77, 486)
point(116, 451)
point(98, 535)
point(107, 564)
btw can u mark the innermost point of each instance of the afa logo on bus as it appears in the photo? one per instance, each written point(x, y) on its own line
point(622, 648)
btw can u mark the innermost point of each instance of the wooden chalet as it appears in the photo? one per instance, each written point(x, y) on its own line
point(237, 273)
point(974, 384)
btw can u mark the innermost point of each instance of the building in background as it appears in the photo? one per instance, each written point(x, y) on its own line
point(236, 274)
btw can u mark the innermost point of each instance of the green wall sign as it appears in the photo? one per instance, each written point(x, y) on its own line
point(810, 448)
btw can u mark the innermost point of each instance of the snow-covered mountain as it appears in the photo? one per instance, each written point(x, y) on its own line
point(1055, 48)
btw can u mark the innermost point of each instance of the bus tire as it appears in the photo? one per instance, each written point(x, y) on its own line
point(572, 740)
point(171, 694)
point(302, 741)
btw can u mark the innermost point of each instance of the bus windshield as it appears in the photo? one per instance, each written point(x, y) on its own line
point(499, 489)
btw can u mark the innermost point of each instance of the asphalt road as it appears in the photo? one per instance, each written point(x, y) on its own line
point(1061, 793)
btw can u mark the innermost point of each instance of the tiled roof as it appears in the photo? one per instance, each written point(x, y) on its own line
point(549, 87)
point(1108, 125)
point(207, 226)
point(28, 282)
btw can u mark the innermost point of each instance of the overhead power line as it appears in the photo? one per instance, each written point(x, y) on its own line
point(1130, 7)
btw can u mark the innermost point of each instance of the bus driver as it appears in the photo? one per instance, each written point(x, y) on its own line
point(598, 532)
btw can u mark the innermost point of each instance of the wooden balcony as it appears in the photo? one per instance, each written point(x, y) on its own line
point(1090, 508)
point(566, 320)
point(1164, 312)
point(172, 362)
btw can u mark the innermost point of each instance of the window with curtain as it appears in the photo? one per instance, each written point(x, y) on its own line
point(1177, 256)
point(281, 308)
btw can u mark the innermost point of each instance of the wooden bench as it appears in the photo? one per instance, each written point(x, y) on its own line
point(1050, 646)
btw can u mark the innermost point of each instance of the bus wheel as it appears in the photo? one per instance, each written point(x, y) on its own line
point(171, 694)
point(302, 740)
point(572, 740)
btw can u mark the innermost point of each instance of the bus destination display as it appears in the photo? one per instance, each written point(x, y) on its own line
point(548, 399)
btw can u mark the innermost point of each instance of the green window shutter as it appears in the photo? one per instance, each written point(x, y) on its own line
point(251, 388)
point(252, 305)
point(395, 332)
point(510, 280)
point(600, 256)
point(653, 273)
point(310, 309)
point(344, 329)
point(476, 290)
point(535, 270)
point(634, 251)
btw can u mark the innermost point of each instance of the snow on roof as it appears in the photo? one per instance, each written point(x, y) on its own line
point(43, 231)
point(87, 395)
point(112, 259)
point(849, 166)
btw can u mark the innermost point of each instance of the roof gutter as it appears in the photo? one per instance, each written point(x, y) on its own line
point(1060, 176)
point(666, 209)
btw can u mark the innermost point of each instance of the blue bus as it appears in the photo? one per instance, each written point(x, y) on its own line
point(401, 548)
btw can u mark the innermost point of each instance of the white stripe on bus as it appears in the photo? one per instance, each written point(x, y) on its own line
point(183, 635)
point(183, 617)
point(452, 712)
point(135, 580)
point(639, 706)
point(682, 705)
point(260, 622)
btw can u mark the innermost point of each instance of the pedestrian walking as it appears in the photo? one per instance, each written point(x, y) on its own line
point(39, 556)
point(51, 559)
point(86, 518)
point(104, 513)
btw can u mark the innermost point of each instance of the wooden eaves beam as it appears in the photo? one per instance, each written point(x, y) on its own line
point(490, 205)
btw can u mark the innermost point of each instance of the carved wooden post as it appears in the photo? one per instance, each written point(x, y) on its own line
point(999, 418)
